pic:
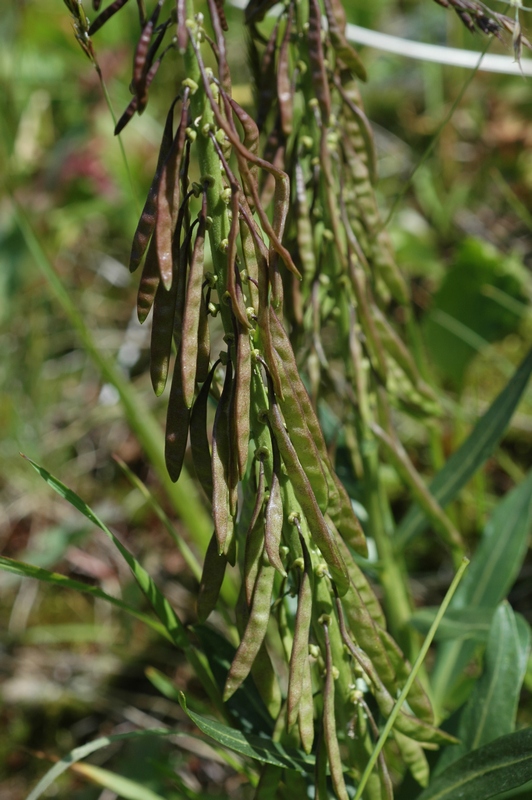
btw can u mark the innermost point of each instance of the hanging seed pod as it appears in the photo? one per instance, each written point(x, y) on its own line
point(254, 539)
point(284, 82)
point(347, 54)
point(204, 340)
point(251, 264)
point(168, 197)
point(317, 65)
point(133, 105)
point(306, 708)
point(255, 631)
point(199, 441)
point(192, 310)
point(106, 14)
point(299, 656)
point(305, 243)
point(168, 306)
point(329, 725)
point(267, 85)
point(146, 224)
point(242, 398)
point(305, 496)
point(273, 523)
point(177, 421)
point(140, 61)
point(222, 487)
point(182, 33)
point(149, 284)
point(251, 132)
point(211, 579)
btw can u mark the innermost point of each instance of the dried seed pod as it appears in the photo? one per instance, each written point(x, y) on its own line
point(140, 61)
point(106, 14)
point(317, 65)
point(149, 283)
point(329, 725)
point(146, 223)
point(199, 441)
point(273, 523)
point(168, 197)
point(211, 579)
point(299, 656)
point(222, 472)
point(251, 132)
point(177, 421)
point(192, 310)
point(255, 631)
point(267, 87)
point(204, 340)
point(182, 34)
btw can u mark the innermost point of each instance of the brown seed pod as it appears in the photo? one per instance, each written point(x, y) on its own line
point(273, 522)
point(211, 579)
point(106, 14)
point(317, 66)
point(192, 310)
point(299, 657)
point(242, 398)
point(222, 472)
point(199, 441)
point(149, 283)
point(177, 421)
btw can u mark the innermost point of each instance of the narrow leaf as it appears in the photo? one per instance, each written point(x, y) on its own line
point(497, 767)
point(472, 454)
point(120, 785)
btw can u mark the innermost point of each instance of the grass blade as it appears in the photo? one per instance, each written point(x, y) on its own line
point(29, 571)
point(121, 786)
point(471, 455)
point(492, 705)
point(494, 568)
point(497, 767)
point(458, 623)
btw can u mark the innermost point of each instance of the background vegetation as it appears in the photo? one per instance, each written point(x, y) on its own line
point(71, 668)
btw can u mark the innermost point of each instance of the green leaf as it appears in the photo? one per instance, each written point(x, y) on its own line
point(30, 571)
point(248, 744)
point(492, 706)
point(160, 604)
point(471, 455)
point(497, 767)
point(123, 787)
point(91, 747)
point(458, 623)
point(493, 570)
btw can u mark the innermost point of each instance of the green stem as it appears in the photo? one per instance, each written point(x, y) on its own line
point(411, 678)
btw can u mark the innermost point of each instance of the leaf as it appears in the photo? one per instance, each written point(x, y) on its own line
point(471, 455)
point(91, 747)
point(492, 706)
point(160, 604)
point(497, 767)
point(493, 570)
point(120, 785)
point(258, 747)
point(458, 623)
point(29, 571)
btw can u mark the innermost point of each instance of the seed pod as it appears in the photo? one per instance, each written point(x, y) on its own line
point(204, 340)
point(250, 262)
point(305, 244)
point(299, 656)
point(218, 21)
point(140, 61)
point(317, 66)
point(221, 467)
point(305, 496)
point(273, 524)
point(242, 398)
point(146, 224)
point(254, 540)
point(255, 631)
point(284, 83)
point(414, 757)
point(211, 579)
point(306, 709)
point(267, 85)
point(167, 306)
point(347, 54)
point(363, 587)
point(168, 197)
point(329, 726)
point(199, 441)
point(192, 310)
point(177, 420)
point(182, 33)
point(106, 14)
point(149, 284)
point(133, 105)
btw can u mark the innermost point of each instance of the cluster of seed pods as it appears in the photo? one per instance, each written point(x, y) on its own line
point(219, 253)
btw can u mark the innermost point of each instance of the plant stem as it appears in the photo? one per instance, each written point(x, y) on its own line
point(411, 678)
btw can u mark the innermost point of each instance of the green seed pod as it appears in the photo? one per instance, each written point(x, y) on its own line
point(329, 726)
point(254, 541)
point(299, 663)
point(192, 310)
point(306, 709)
point(344, 51)
point(273, 522)
point(414, 757)
point(222, 486)
point(255, 630)
point(211, 579)
point(242, 398)
point(199, 441)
